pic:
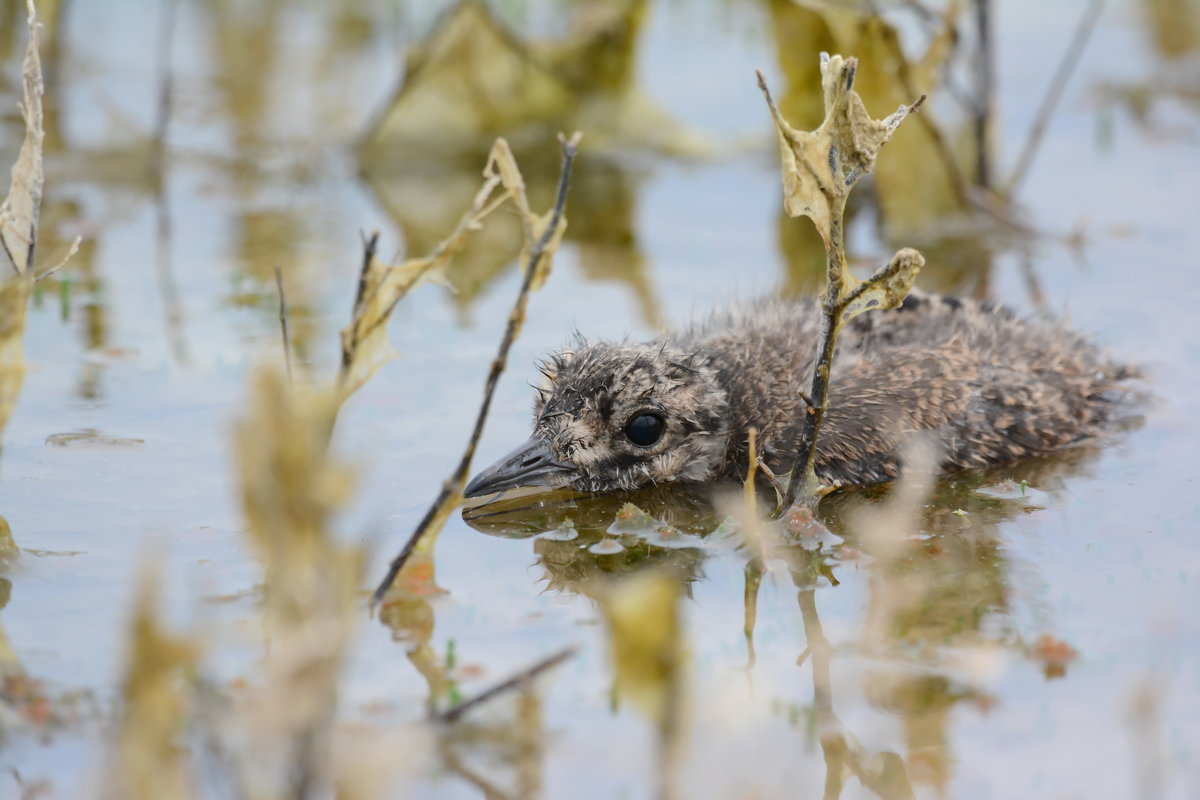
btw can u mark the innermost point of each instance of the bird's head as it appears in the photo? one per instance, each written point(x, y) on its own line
point(613, 417)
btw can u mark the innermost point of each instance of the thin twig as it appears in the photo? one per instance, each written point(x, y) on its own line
point(515, 682)
point(451, 491)
point(370, 244)
point(283, 321)
point(1054, 93)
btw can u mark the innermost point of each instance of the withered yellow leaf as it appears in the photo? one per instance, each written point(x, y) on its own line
point(820, 167)
point(887, 288)
point(365, 346)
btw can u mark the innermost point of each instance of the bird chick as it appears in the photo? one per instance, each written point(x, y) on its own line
point(990, 386)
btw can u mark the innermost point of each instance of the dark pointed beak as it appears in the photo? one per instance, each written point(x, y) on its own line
point(531, 464)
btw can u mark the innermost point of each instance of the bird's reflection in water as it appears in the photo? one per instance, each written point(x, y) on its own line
point(942, 597)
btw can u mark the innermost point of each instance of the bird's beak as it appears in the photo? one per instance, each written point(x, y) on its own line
point(531, 464)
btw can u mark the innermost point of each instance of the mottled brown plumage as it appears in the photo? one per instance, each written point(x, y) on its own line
point(990, 386)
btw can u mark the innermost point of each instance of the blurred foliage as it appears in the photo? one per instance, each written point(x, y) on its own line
point(942, 593)
point(151, 759)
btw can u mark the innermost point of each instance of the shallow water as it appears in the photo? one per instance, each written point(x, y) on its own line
point(141, 349)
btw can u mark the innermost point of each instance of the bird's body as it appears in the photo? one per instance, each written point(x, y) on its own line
point(990, 386)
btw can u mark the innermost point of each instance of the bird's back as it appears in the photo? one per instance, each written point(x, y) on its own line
point(991, 386)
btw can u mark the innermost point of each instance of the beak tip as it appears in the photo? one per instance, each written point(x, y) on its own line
point(474, 488)
point(531, 464)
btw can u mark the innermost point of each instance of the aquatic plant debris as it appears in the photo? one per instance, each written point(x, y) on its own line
point(565, 532)
point(819, 169)
point(631, 519)
point(538, 253)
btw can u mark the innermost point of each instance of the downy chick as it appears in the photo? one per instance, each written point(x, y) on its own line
point(990, 386)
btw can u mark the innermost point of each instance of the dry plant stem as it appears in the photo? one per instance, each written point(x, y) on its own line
point(517, 681)
point(749, 496)
point(819, 170)
point(1053, 94)
point(834, 304)
point(283, 321)
point(370, 244)
point(451, 492)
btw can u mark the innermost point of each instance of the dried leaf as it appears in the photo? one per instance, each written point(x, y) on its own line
point(9, 552)
point(538, 228)
point(887, 288)
point(19, 212)
point(820, 167)
point(364, 340)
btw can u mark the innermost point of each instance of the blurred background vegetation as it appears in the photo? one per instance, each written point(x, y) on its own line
point(186, 538)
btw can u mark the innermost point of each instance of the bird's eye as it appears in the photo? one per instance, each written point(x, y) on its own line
point(645, 429)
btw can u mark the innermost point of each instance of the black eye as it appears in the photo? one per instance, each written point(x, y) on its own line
point(645, 429)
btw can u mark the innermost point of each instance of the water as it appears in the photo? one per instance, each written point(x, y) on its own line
point(146, 341)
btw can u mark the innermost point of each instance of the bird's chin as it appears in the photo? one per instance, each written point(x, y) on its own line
point(531, 466)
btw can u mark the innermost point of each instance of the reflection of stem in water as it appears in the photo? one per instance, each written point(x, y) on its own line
point(1054, 94)
point(283, 321)
point(753, 581)
point(1032, 285)
point(168, 290)
point(518, 681)
point(984, 92)
point(883, 774)
point(958, 183)
point(519, 743)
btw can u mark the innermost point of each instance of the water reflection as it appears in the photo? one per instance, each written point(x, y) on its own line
point(937, 611)
point(471, 80)
point(1153, 99)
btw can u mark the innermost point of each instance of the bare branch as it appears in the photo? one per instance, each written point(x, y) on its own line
point(451, 492)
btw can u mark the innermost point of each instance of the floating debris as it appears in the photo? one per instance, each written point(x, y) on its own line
point(631, 519)
point(666, 535)
point(606, 547)
point(86, 436)
point(565, 532)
